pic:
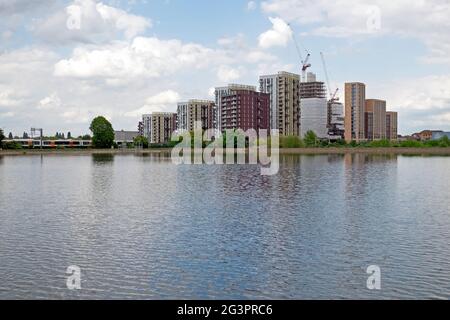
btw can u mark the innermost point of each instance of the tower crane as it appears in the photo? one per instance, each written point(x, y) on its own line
point(305, 62)
point(333, 95)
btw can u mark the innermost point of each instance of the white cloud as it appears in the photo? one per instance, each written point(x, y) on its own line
point(51, 102)
point(8, 98)
point(279, 35)
point(14, 7)
point(165, 101)
point(422, 103)
point(251, 5)
point(226, 73)
point(7, 114)
point(424, 20)
point(144, 57)
point(90, 22)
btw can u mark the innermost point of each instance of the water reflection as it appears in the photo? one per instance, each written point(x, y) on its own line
point(102, 158)
point(141, 227)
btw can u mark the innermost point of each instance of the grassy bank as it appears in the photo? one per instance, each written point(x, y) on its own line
point(303, 150)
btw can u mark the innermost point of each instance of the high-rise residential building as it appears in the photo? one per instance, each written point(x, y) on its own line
point(283, 89)
point(245, 108)
point(314, 117)
point(192, 111)
point(147, 125)
point(355, 101)
point(391, 125)
point(141, 128)
point(335, 121)
point(313, 107)
point(159, 126)
point(375, 119)
point(219, 93)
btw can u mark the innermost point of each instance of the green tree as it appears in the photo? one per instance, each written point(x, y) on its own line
point(310, 139)
point(141, 141)
point(103, 133)
point(2, 136)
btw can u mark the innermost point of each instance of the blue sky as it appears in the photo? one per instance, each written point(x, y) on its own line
point(124, 58)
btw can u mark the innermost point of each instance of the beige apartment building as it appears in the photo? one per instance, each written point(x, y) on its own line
point(159, 126)
point(284, 91)
point(391, 125)
point(355, 102)
point(192, 111)
point(375, 119)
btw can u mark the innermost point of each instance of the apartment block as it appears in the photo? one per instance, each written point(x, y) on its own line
point(355, 101)
point(283, 89)
point(375, 119)
point(219, 93)
point(245, 108)
point(314, 117)
point(335, 120)
point(159, 126)
point(391, 125)
point(192, 111)
point(313, 107)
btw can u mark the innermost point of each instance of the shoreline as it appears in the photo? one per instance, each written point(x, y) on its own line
point(286, 151)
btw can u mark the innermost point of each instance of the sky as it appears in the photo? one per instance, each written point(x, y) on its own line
point(64, 62)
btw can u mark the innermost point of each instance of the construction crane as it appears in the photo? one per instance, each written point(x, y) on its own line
point(333, 95)
point(305, 62)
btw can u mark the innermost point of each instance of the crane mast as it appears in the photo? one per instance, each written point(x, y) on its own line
point(305, 62)
point(333, 95)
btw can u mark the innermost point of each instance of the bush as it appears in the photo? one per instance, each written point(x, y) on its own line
point(310, 139)
point(411, 144)
point(291, 142)
point(12, 145)
point(141, 141)
point(444, 142)
point(380, 144)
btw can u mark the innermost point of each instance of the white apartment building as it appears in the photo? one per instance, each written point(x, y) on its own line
point(314, 116)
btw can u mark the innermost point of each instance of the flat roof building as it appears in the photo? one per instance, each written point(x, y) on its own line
point(355, 101)
point(375, 119)
point(391, 125)
point(283, 89)
point(195, 110)
point(245, 108)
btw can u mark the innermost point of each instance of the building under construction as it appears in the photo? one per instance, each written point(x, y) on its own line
point(311, 88)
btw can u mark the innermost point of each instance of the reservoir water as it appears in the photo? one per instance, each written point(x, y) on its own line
point(140, 227)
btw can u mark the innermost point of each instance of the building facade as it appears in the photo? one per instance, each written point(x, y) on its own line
point(311, 88)
point(375, 119)
point(245, 108)
point(354, 122)
point(192, 111)
point(335, 121)
point(123, 138)
point(314, 117)
point(391, 125)
point(284, 92)
point(159, 126)
point(219, 93)
point(313, 107)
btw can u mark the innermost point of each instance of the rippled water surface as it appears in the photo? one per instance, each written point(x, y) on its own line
point(142, 228)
